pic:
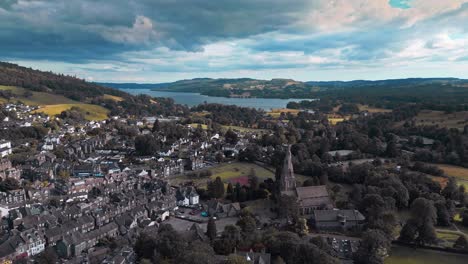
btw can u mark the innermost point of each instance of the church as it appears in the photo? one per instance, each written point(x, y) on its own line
point(308, 198)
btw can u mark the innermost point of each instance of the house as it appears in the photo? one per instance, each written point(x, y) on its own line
point(187, 196)
point(217, 209)
point(12, 197)
point(35, 240)
point(87, 170)
point(337, 220)
point(5, 148)
point(255, 257)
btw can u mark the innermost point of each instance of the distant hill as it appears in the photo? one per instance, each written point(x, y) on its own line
point(398, 82)
point(411, 89)
point(49, 89)
point(134, 85)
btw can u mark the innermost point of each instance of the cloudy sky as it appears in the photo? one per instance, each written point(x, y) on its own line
point(167, 40)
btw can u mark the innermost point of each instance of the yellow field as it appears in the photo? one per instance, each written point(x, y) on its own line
point(371, 109)
point(195, 125)
point(277, 112)
point(113, 97)
point(431, 118)
point(91, 112)
point(335, 121)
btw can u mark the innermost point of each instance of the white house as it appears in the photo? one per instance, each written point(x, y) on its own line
point(5, 148)
point(186, 196)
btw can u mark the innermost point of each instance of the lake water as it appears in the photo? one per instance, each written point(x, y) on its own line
point(193, 99)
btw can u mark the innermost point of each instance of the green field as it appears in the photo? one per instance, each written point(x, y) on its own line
point(441, 119)
point(52, 104)
point(227, 171)
point(246, 129)
point(404, 255)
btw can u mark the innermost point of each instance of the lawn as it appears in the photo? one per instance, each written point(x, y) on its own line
point(442, 119)
point(91, 112)
point(460, 173)
point(448, 237)
point(228, 172)
point(404, 255)
point(195, 125)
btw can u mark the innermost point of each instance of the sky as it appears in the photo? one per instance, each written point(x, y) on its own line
point(149, 41)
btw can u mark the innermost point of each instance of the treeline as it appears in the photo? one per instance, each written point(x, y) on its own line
point(231, 114)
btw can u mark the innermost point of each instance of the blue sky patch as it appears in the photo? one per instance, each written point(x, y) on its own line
point(404, 4)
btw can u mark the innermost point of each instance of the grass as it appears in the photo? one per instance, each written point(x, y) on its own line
point(195, 125)
point(246, 129)
point(335, 121)
point(459, 173)
point(453, 120)
point(371, 109)
point(228, 171)
point(449, 237)
point(91, 112)
point(404, 255)
point(37, 98)
point(113, 97)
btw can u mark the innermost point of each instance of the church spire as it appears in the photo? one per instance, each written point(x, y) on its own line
point(288, 181)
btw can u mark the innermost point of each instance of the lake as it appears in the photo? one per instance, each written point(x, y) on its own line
point(193, 99)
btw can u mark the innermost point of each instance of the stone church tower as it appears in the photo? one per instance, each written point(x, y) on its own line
point(287, 179)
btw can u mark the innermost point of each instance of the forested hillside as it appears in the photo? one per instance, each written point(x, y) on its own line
point(118, 102)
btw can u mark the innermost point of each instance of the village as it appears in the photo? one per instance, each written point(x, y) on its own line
point(91, 204)
point(84, 191)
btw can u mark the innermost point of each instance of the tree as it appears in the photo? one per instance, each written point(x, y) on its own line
point(218, 188)
point(9, 184)
point(169, 244)
point(48, 256)
point(253, 180)
point(451, 189)
point(230, 191)
point(230, 238)
point(464, 217)
point(373, 248)
point(443, 216)
point(146, 145)
point(247, 222)
point(420, 227)
point(144, 247)
point(231, 137)
point(211, 229)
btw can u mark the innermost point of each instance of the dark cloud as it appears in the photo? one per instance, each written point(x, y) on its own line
point(95, 29)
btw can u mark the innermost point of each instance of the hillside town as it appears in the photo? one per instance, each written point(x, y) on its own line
point(78, 191)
